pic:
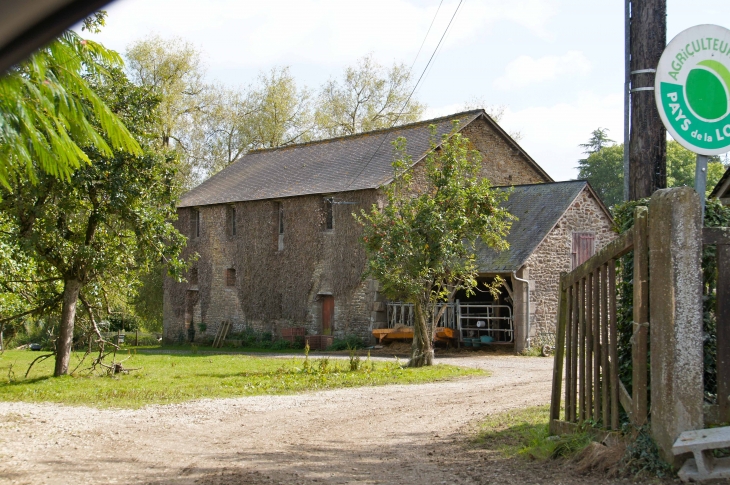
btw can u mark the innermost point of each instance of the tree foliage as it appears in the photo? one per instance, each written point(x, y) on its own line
point(49, 114)
point(603, 167)
point(421, 244)
point(90, 234)
point(367, 97)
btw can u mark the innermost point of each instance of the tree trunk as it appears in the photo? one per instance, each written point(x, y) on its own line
point(71, 290)
point(648, 142)
point(422, 350)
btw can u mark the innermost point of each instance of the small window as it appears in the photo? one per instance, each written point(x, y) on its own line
point(194, 223)
point(231, 221)
point(583, 247)
point(230, 277)
point(329, 217)
point(193, 276)
point(280, 238)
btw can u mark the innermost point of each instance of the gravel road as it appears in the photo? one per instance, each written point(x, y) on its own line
point(390, 435)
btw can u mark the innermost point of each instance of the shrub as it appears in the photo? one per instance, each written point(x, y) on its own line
point(349, 342)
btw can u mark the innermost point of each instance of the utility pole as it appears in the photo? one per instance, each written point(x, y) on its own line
point(648, 138)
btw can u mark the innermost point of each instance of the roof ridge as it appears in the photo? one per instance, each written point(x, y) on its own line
point(366, 133)
point(542, 183)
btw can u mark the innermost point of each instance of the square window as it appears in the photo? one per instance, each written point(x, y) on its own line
point(230, 277)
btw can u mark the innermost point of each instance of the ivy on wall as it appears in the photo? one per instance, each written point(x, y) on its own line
point(716, 215)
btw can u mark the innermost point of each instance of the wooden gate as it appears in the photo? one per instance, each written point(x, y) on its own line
point(587, 337)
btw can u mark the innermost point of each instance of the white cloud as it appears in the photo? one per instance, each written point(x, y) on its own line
point(551, 134)
point(261, 34)
point(526, 70)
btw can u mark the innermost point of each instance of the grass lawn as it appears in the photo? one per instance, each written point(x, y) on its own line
point(169, 378)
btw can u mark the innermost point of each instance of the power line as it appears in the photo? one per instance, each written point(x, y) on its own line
point(426, 36)
point(409, 96)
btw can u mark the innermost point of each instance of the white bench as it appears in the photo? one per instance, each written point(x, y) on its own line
point(700, 443)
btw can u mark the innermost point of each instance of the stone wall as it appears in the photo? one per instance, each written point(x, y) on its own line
point(275, 288)
point(502, 163)
point(553, 256)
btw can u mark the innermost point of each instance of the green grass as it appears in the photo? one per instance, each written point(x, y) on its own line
point(170, 378)
point(524, 432)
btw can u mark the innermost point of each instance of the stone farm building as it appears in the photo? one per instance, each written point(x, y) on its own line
point(279, 247)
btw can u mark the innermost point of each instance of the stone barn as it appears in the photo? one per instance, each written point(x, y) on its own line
point(278, 246)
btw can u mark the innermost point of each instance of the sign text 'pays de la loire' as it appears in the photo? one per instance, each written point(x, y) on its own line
point(692, 89)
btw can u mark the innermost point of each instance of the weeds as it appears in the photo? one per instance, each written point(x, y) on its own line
point(641, 458)
point(355, 359)
point(524, 432)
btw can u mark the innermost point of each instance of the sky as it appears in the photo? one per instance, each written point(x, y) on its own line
point(555, 65)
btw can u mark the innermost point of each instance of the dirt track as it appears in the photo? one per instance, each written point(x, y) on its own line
point(393, 434)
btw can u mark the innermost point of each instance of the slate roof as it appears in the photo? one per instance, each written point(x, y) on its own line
point(538, 208)
point(721, 189)
point(342, 164)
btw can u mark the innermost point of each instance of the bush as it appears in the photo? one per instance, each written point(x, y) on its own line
point(349, 342)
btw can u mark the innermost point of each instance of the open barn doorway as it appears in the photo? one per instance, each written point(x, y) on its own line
point(483, 318)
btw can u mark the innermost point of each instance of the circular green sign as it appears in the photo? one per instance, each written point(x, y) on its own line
point(692, 89)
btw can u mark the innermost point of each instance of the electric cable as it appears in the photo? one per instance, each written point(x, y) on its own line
point(407, 99)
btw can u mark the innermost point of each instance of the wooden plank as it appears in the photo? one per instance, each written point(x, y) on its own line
point(723, 328)
point(574, 361)
point(558, 358)
point(626, 401)
point(569, 357)
point(615, 249)
point(639, 348)
point(605, 386)
point(581, 351)
point(589, 345)
point(716, 235)
point(597, 345)
point(613, 344)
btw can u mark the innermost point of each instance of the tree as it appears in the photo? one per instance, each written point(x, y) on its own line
point(46, 107)
point(604, 170)
point(420, 245)
point(226, 130)
point(173, 69)
point(367, 97)
point(282, 113)
point(599, 139)
point(681, 165)
point(108, 220)
point(603, 167)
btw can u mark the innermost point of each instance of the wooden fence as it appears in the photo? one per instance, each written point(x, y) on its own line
point(586, 340)
point(720, 238)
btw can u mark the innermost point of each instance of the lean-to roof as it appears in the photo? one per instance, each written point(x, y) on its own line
point(538, 208)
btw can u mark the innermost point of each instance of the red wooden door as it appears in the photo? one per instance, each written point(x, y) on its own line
point(328, 314)
point(583, 247)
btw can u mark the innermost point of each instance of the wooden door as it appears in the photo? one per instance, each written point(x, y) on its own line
point(328, 314)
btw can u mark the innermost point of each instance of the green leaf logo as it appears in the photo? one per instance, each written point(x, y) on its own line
point(707, 89)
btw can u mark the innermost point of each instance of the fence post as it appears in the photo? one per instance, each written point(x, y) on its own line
point(559, 355)
point(675, 293)
point(641, 318)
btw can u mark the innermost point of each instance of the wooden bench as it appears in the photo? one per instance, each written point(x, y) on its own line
point(700, 443)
